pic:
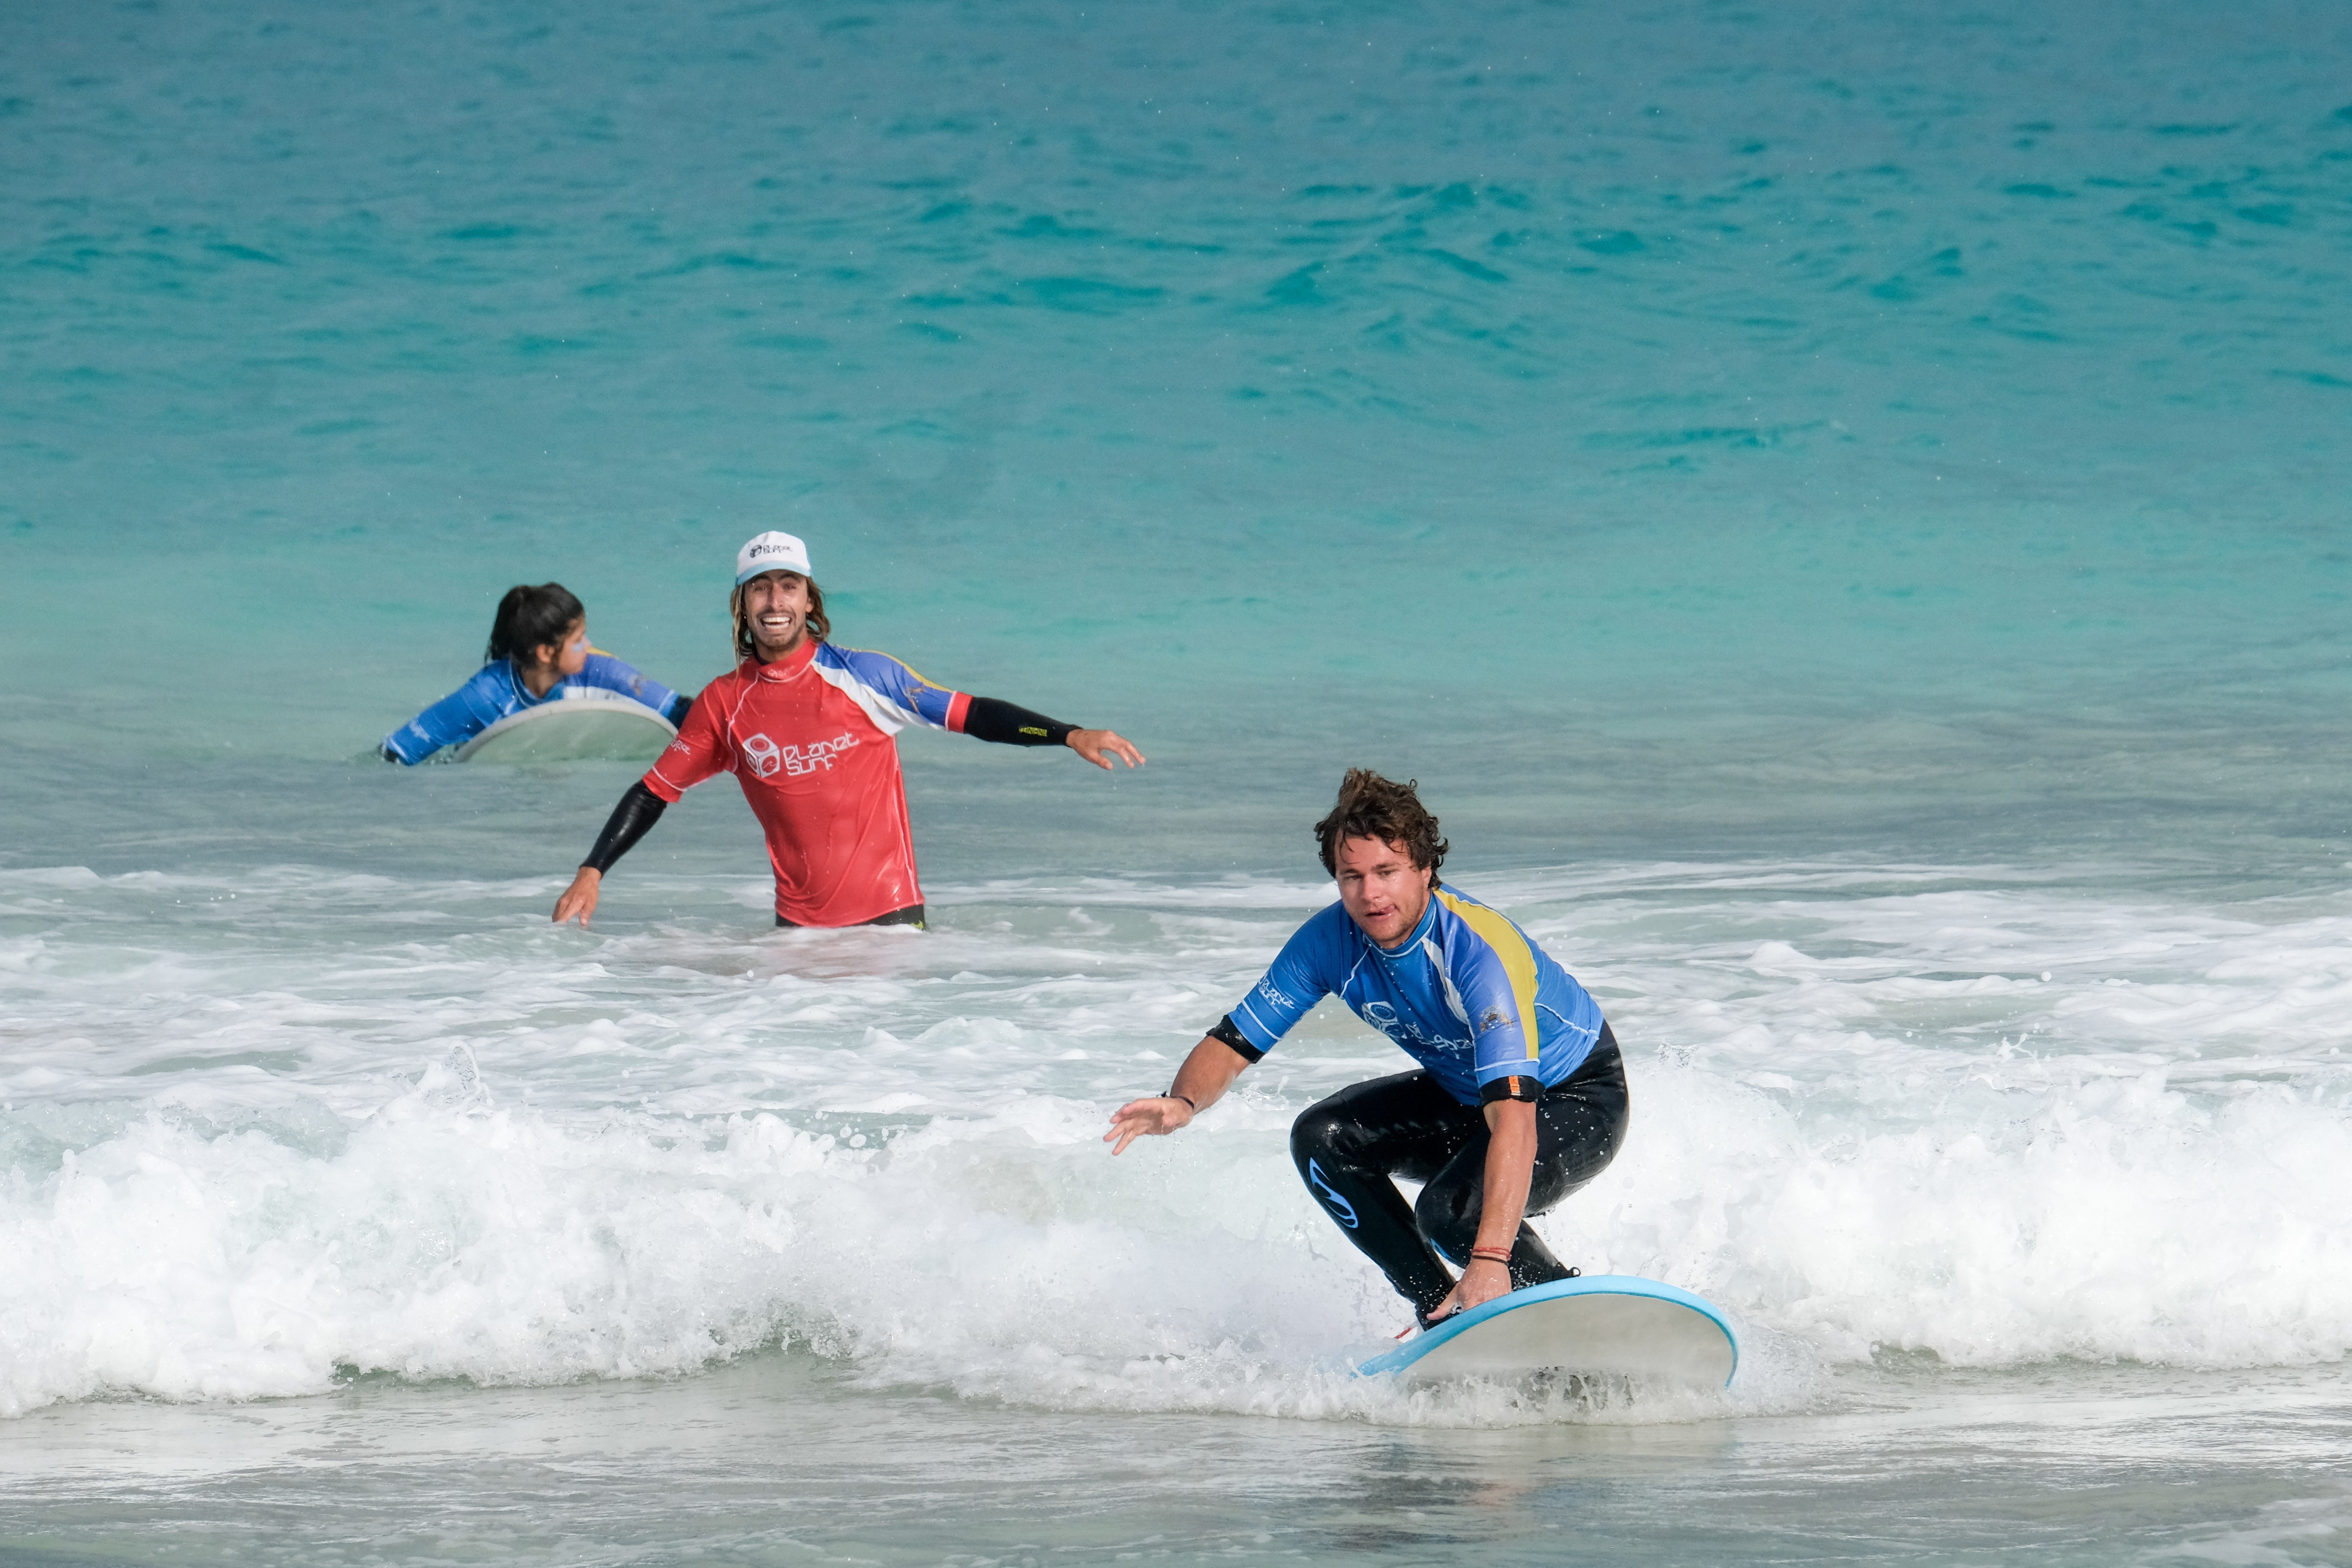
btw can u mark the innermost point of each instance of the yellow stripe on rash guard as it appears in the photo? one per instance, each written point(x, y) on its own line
point(914, 675)
point(1518, 959)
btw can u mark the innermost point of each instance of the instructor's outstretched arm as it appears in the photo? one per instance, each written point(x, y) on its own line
point(1204, 1079)
point(631, 820)
point(1008, 724)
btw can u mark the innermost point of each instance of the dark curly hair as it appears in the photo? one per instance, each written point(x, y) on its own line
point(1371, 806)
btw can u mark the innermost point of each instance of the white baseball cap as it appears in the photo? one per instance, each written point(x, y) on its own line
point(771, 553)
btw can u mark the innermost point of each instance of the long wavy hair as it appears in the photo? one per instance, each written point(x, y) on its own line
point(819, 627)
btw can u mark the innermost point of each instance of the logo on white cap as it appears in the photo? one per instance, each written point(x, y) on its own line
point(771, 553)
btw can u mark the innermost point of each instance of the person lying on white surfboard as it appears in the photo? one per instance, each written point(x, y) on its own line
point(1521, 1097)
point(539, 652)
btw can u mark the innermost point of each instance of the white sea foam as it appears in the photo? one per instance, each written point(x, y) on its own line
point(281, 1126)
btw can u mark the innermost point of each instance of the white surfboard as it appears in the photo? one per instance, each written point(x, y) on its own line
point(584, 726)
point(1610, 1324)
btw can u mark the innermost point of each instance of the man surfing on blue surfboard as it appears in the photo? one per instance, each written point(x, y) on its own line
point(1520, 1097)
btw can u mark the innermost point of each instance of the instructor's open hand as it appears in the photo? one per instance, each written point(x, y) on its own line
point(1100, 746)
point(579, 900)
point(1153, 1117)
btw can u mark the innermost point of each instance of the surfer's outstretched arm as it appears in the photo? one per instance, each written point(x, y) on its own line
point(1200, 1083)
point(631, 820)
point(1503, 1203)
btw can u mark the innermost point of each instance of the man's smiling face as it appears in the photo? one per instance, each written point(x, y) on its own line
point(777, 605)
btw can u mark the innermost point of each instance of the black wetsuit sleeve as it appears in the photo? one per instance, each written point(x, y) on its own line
point(1515, 1087)
point(681, 705)
point(631, 820)
point(1226, 1035)
point(989, 720)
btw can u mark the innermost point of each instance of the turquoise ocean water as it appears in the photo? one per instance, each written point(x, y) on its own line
point(1843, 508)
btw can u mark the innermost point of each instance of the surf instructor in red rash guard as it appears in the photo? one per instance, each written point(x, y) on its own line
point(806, 728)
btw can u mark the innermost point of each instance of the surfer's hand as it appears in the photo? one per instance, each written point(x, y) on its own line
point(1480, 1283)
point(1155, 1116)
point(1098, 746)
point(579, 900)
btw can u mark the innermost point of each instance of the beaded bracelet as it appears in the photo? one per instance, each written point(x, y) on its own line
point(1187, 1099)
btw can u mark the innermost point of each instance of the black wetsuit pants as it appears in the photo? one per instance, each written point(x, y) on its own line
point(912, 915)
point(1348, 1145)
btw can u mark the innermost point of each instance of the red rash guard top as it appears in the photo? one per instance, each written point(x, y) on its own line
point(809, 739)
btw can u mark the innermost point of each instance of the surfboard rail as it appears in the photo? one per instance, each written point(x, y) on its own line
point(1628, 1325)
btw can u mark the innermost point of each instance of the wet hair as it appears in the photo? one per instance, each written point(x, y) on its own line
point(819, 627)
point(530, 618)
point(1371, 806)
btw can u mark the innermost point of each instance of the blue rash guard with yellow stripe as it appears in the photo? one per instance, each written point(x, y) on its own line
point(1466, 994)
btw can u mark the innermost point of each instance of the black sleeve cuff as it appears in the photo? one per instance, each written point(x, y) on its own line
point(1234, 1040)
point(989, 720)
point(1529, 1088)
